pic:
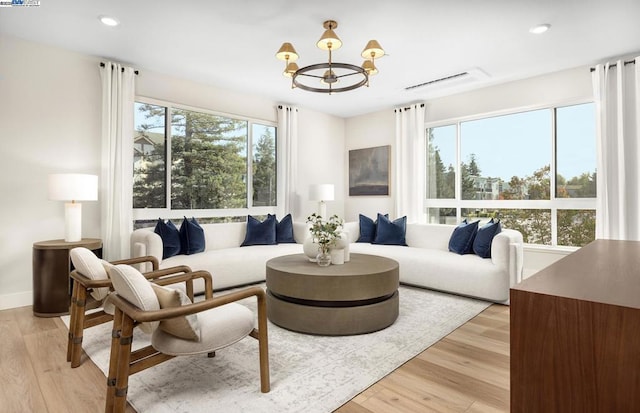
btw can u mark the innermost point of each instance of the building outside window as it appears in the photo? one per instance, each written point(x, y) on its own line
point(534, 170)
point(191, 162)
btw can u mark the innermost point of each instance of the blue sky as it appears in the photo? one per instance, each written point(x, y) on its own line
point(520, 143)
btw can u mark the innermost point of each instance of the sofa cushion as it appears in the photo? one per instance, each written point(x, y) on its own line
point(461, 241)
point(191, 237)
point(260, 233)
point(231, 267)
point(367, 228)
point(390, 233)
point(171, 244)
point(284, 230)
point(484, 238)
point(184, 327)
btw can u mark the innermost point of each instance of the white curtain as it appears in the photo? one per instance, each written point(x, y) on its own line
point(617, 95)
point(116, 180)
point(410, 163)
point(287, 148)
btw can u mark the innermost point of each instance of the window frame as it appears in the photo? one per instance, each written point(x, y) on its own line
point(553, 204)
point(142, 214)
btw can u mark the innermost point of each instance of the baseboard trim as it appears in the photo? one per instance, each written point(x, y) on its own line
point(15, 300)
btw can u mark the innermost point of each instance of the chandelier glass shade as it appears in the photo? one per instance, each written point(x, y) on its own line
point(330, 77)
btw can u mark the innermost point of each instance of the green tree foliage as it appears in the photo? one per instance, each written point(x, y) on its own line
point(534, 224)
point(208, 165)
point(576, 227)
point(534, 186)
point(468, 172)
point(583, 186)
point(149, 190)
point(208, 168)
point(264, 170)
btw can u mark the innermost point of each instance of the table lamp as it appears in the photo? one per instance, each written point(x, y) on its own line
point(321, 193)
point(73, 187)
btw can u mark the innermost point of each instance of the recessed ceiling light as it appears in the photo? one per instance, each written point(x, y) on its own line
point(109, 21)
point(540, 28)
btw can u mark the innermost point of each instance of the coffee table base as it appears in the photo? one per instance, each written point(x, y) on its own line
point(332, 321)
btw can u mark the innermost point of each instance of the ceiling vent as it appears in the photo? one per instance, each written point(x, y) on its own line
point(448, 82)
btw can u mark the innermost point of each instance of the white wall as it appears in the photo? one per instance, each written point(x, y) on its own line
point(375, 129)
point(50, 118)
point(366, 131)
point(49, 122)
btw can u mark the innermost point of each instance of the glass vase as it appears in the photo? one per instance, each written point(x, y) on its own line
point(324, 259)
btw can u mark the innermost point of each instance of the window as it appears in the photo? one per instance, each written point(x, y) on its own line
point(534, 170)
point(210, 172)
point(506, 157)
point(149, 155)
point(264, 165)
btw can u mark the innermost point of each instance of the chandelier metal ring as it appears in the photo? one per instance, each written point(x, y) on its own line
point(355, 71)
point(354, 76)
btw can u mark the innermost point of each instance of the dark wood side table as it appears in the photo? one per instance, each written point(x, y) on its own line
point(51, 268)
point(575, 333)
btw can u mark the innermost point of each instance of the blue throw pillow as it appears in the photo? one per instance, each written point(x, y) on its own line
point(484, 238)
point(260, 233)
point(461, 241)
point(170, 238)
point(191, 236)
point(390, 233)
point(284, 230)
point(367, 229)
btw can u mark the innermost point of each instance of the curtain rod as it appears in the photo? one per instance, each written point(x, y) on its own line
point(288, 108)
point(407, 108)
point(102, 65)
point(628, 62)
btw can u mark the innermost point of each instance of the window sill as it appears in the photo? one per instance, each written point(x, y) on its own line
point(560, 250)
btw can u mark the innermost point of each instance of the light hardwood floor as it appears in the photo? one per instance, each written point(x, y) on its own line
point(467, 371)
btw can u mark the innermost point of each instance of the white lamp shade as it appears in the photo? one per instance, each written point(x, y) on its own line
point(321, 192)
point(73, 187)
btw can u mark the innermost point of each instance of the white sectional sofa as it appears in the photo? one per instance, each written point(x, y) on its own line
point(425, 262)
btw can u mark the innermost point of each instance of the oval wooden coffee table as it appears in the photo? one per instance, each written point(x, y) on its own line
point(359, 296)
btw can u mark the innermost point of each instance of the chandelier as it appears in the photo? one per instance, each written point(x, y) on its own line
point(331, 77)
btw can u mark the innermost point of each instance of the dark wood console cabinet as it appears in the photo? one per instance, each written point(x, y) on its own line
point(575, 333)
point(51, 268)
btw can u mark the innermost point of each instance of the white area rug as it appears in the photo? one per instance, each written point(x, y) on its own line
point(311, 374)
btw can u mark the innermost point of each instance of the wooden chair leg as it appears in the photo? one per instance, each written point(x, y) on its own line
point(78, 326)
point(113, 360)
point(124, 360)
point(72, 319)
point(263, 344)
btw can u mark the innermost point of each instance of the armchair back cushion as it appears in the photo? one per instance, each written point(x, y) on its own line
point(131, 285)
point(92, 267)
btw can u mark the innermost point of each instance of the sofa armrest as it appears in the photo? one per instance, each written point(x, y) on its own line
point(300, 231)
point(507, 250)
point(146, 242)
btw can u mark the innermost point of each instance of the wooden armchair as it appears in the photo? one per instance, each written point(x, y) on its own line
point(91, 288)
point(220, 322)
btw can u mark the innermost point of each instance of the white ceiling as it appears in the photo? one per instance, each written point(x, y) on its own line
point(232, 44)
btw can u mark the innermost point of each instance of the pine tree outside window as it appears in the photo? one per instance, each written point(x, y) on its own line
point(191, 162)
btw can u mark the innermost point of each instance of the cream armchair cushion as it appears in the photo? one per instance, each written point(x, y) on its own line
point(92, 267)
point(131, 285)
